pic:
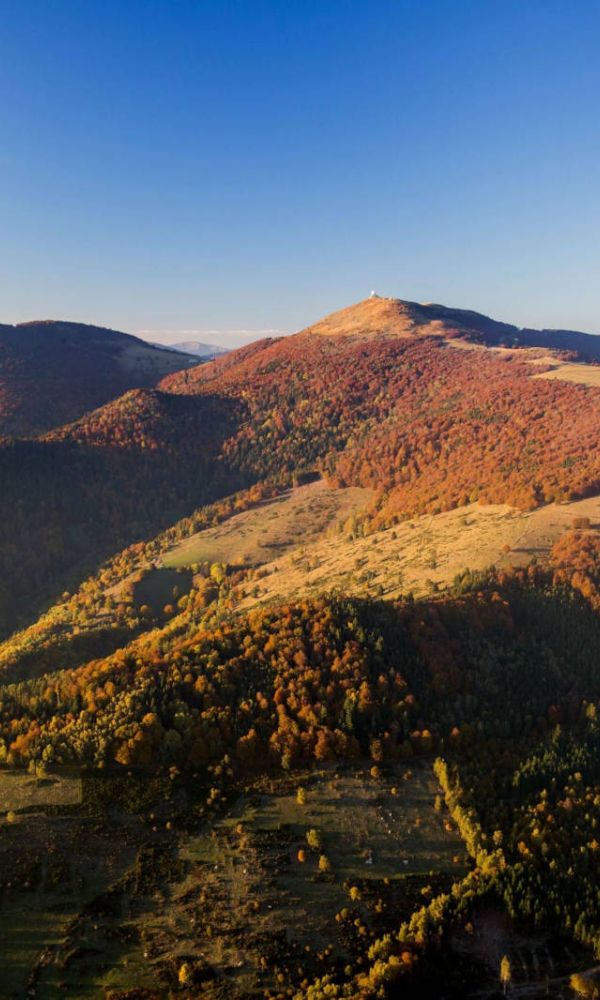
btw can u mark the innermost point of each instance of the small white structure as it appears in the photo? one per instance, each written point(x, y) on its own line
point(373, 295)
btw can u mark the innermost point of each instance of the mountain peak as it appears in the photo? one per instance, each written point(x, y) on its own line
point(373, 316)
point(399, 318)
point(379, 316)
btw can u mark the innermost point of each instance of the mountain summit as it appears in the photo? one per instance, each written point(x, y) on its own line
point(378, 316)
point(388, 317)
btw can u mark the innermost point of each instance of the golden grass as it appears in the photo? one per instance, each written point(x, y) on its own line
point(20, 790)
point(420, 555)
point(378, 317)
point(579, 373)
point(297, 517)
point(300, 543)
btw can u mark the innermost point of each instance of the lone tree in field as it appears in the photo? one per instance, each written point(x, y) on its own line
point(218, 572)
point(583, 986)
point(505, 972)
point(185, 974)
point(314, 840)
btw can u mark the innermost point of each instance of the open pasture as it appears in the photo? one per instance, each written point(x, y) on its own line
point(293, 519)
point(259, 898)
point(574, 372)
point(421, 554)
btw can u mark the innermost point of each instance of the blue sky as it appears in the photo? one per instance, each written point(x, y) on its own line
point(222, 166)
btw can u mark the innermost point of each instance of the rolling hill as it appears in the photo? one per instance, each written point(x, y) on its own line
point(404, 409)
point(124, 471)
point(420, 769)
point(322, 698)
point(385, 397)
point(53, 372)
point(397, 318)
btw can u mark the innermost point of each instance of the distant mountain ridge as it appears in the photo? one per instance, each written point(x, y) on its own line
point(198, 348)
point(52, 372)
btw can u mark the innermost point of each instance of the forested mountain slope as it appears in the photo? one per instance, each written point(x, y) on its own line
point(497, 685)
point(54, 372)
point(354, 794)
point(402, 411)
point(77, 496)
point(398, 408)
point(412, 416)
point(391, 317)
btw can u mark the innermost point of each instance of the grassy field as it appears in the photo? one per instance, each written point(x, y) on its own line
point(143, 361)
point(361, 819)
point(255, 905)
point(162, 586)
point(295, 538)
point(582, 374)
point(272, 528)
point(96, 907)
point(235, 904)
point(419, 555)
point(20, 791)
point(51, 868)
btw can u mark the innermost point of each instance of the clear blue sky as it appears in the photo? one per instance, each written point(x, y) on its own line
point(189, 165)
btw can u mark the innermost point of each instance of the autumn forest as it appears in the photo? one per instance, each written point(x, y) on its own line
point(323, 783)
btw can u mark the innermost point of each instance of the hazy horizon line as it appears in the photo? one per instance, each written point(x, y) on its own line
point(218, 337)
